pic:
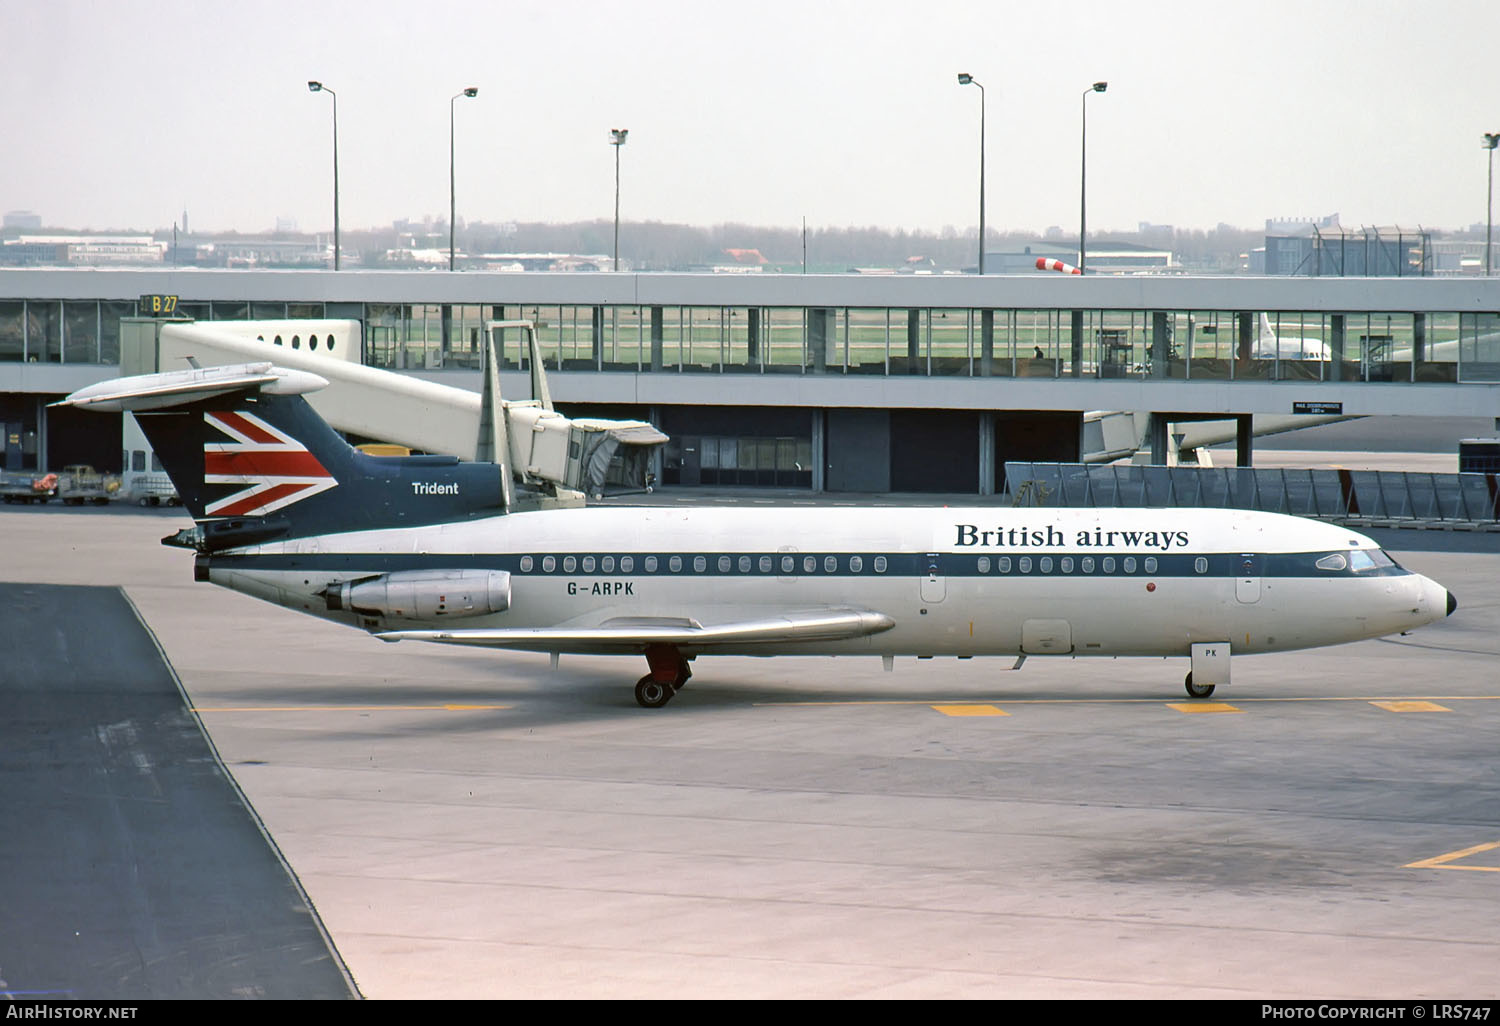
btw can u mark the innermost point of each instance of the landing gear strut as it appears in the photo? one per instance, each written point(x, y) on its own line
point(1194, 691)
point(669, 675)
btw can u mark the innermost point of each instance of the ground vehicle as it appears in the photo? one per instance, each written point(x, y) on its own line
point(79, 483)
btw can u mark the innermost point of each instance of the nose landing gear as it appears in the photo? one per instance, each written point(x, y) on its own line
point(1197, 691)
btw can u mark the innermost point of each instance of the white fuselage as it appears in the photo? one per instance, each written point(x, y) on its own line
point(963, 581)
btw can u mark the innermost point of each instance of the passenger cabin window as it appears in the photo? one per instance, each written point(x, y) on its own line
point(765, 564)
point(725, 564)
point(588, 564)
point(1200, 565)
point(675, 564)
point(549, 563)
point(856, 564)
point(1024, 564)
point(1086, 564)
point(607, 564)
point(984, 564)
point(650, 564)
point(1151, 564)
point(700, 564)
point(569, 564)
point(788, 565)
point(830, 564)
point(880, 564)
point(1066, 564)
point(1004, 564)
point(1109, 564)
point(627, 564)
point(1045, 564)
point(1129, 564)
point(526, 564)
point(744, 564)
point(809, 564)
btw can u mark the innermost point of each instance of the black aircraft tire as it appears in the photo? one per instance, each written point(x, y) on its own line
point(651, 694)
point(1194, 691)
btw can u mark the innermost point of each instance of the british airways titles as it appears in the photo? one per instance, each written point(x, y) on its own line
point(970, 535)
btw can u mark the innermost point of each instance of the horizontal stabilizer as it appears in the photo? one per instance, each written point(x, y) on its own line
point(631, 634)
point(178, 388)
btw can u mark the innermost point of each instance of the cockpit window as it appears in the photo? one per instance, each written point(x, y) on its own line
point(1333, 562)
point(1369, 559)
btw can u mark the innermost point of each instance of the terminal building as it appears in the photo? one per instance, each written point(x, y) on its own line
point(825, 382)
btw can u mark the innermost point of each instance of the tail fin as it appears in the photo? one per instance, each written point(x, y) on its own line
point(252, 460)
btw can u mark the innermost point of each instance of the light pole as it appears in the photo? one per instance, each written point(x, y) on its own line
point(452, 190)
point(1489, 140)
point(617, 139)
point(319, 87)
point(966, 79)
point(1083, 192)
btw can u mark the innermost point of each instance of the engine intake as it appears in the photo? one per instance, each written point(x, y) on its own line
point(424, 594)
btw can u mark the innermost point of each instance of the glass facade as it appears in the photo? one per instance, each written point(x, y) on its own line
point(1184, 345)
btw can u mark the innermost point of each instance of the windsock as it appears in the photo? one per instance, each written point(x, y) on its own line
point(1043, 264)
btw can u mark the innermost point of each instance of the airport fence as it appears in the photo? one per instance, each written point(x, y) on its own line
point(1374, 497)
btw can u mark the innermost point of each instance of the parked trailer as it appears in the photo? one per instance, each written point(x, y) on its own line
point(27, 488)
point(150, 490)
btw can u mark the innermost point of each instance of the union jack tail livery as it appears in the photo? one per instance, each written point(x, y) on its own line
point(251, 458)
point(276, 469)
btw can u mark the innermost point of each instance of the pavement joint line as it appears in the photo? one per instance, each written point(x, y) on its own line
point(451, 707)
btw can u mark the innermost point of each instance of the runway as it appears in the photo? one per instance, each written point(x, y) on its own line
point(473, 824)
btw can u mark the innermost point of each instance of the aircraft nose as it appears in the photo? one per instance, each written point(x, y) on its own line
point(1452, 603)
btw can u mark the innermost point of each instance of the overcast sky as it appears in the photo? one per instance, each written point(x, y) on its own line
point(123, 113)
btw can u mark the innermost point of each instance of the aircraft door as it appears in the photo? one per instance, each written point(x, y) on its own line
point(1247, 583)
point(934, 584)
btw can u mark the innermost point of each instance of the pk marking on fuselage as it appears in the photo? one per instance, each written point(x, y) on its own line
point(452, 562)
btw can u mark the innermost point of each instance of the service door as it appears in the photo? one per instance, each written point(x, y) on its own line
point(1247, 584)
point(934, 584)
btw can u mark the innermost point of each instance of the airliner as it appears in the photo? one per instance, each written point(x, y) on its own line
point(431, 548)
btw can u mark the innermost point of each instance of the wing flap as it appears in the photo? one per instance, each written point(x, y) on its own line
point(633, 633)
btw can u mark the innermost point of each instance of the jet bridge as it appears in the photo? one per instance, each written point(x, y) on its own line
point(552, 459)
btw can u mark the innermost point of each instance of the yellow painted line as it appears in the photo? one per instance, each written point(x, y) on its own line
point(344, 708)
point(970, 710)
point(1141, 701)
point(1442, 861)
point(1203, 707)
point(1411, 706)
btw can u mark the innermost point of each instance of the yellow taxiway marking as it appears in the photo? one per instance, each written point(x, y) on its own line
point(345, 708)
point(1203, 707)
point(1443, 861)
point(1133, 701)
point(970, 710)
point(1411, 706)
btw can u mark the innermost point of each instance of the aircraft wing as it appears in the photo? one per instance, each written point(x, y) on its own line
point(634, 633)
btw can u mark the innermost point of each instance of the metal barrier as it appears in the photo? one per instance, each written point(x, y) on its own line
point(1345, 495)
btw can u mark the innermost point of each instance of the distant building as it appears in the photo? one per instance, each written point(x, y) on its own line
point(1103, 258)
point(82, 251)
point(1324, 248)
point(23, 219)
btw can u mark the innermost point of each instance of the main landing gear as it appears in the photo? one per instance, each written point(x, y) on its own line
point(1194, 691)
point(669, 675)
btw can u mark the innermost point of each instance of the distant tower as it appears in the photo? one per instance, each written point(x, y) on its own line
point(184, 221)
